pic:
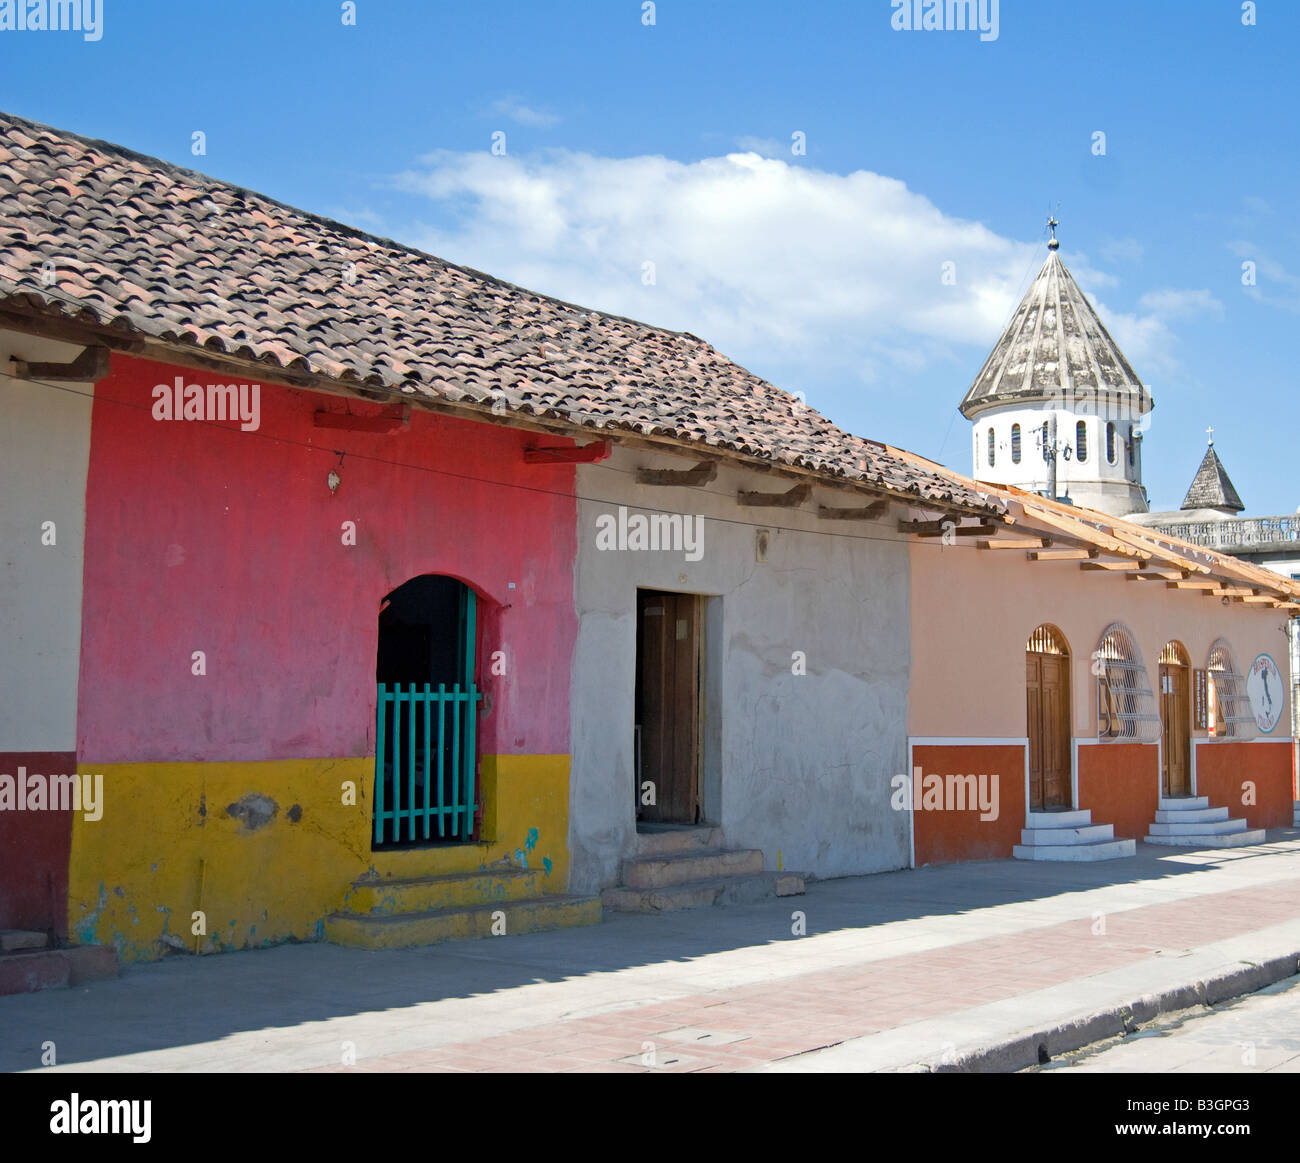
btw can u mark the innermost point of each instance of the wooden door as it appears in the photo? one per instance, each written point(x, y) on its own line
point(1175, 719)
point(668, 705)
point(1047, 687)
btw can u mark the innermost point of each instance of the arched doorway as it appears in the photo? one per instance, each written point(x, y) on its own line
point(1047, 698)
point(426, 738)
point(1175, 720)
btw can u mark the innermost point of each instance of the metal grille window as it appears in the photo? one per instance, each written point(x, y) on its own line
point(1112, 451)
point(1126, 707)
point(1046, 443)
point(1047, 640)
point(1230, 713)
point(990, 448)
point(1015, 443)
point(1081, 442)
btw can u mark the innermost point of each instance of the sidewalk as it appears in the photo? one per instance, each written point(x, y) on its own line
point(966, 966)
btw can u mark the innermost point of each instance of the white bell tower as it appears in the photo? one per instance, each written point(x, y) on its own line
point(1056, 408)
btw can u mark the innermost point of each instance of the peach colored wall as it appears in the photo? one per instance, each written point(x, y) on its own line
point(973, 611)
point(1222, 768)
point(944, 837)
point(1120, 783)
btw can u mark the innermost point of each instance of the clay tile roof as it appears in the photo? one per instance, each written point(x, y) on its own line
point(160, 252)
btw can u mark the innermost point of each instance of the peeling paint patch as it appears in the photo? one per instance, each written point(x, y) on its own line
point(294, 813)
point(253, 811)
point(546, 864)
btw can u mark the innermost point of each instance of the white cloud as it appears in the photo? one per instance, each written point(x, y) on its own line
point(515, 110)
point(775, 264)
point(1172, 304)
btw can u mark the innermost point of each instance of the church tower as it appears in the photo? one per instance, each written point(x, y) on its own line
point(1056, 408)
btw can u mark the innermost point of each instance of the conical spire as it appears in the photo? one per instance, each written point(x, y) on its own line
point(1056, 350)
point(1211, 488)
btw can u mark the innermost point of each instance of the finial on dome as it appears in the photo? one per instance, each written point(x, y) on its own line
point(1210, 432)
point(1052, 224)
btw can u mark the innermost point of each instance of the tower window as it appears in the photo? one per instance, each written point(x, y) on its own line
point(1081, 442)
point(1015, 443)
point(990, 448)
point(1111, 452)
point(1047, 452)
point(1132, 451)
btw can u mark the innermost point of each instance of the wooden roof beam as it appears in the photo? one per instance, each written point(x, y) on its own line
point(787, 500)
point(946, 525)
point(1115, 566)
point(1194, 584)
point(1062, 554)
point(863, 513)
point(1016, 542)
point(1157, 575)
point(701, 474)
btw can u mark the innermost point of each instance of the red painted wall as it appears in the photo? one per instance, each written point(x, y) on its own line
point(945, 837)
point(1119, 782)
point(200, 536)
point(34, 850)
point(1222, 768)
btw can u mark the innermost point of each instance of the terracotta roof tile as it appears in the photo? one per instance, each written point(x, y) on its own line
point(153, 249)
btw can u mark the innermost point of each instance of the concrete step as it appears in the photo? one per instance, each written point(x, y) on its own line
point(698, 894)
point(1189, 815)
point(405, 930)
point(1090, 834)
point(12, 940)
point(31, 970)
point(1182, 803)
point(1079, 819)
point(1216, 840)
point(417, 894)
point(1105, 850)
point(672, 840)
point(703, 864)
point(1219, 827)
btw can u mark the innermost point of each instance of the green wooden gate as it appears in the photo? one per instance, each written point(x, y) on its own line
point(426, 751)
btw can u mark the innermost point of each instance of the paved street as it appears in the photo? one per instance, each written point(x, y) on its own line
point(1259, 1033)
point(907, 970)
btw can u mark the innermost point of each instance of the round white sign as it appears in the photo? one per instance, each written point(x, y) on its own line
point(1267, 692)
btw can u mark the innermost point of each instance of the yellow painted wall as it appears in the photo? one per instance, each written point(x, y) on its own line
point(169, 844)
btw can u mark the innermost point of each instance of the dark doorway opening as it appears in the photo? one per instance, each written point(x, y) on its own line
point(426, 769)
point(668, 685)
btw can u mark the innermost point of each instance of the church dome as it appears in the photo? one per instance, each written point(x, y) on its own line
point(1056, 351)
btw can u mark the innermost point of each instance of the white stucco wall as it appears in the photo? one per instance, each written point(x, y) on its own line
point(804, 762)
point(1094, 482)
point(44, 451)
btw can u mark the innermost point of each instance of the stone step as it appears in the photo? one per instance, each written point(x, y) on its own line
point(1182, 803)
point(1079, 819)
point(1105, 850)
point(1090, 834)
point(699, 894)
point(1219, 827)
point(668, 840)
point(417, 894)
point(1218, 840)
point(13, 940)
point(704, 864)
point(1189, 815)
point(32, 970)
point(405, 930)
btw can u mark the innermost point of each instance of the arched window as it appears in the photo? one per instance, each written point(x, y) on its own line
point(1112, 452)
point(1132, 450)
point(1015, 443)
point(990, 448)
point(1081, 442)
point(427, 714)
point(1126, 709)
point(1230, 716)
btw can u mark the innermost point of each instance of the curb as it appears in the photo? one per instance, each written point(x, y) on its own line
point(1040, 1046)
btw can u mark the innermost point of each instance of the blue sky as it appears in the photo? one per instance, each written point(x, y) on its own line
point(670, 144)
